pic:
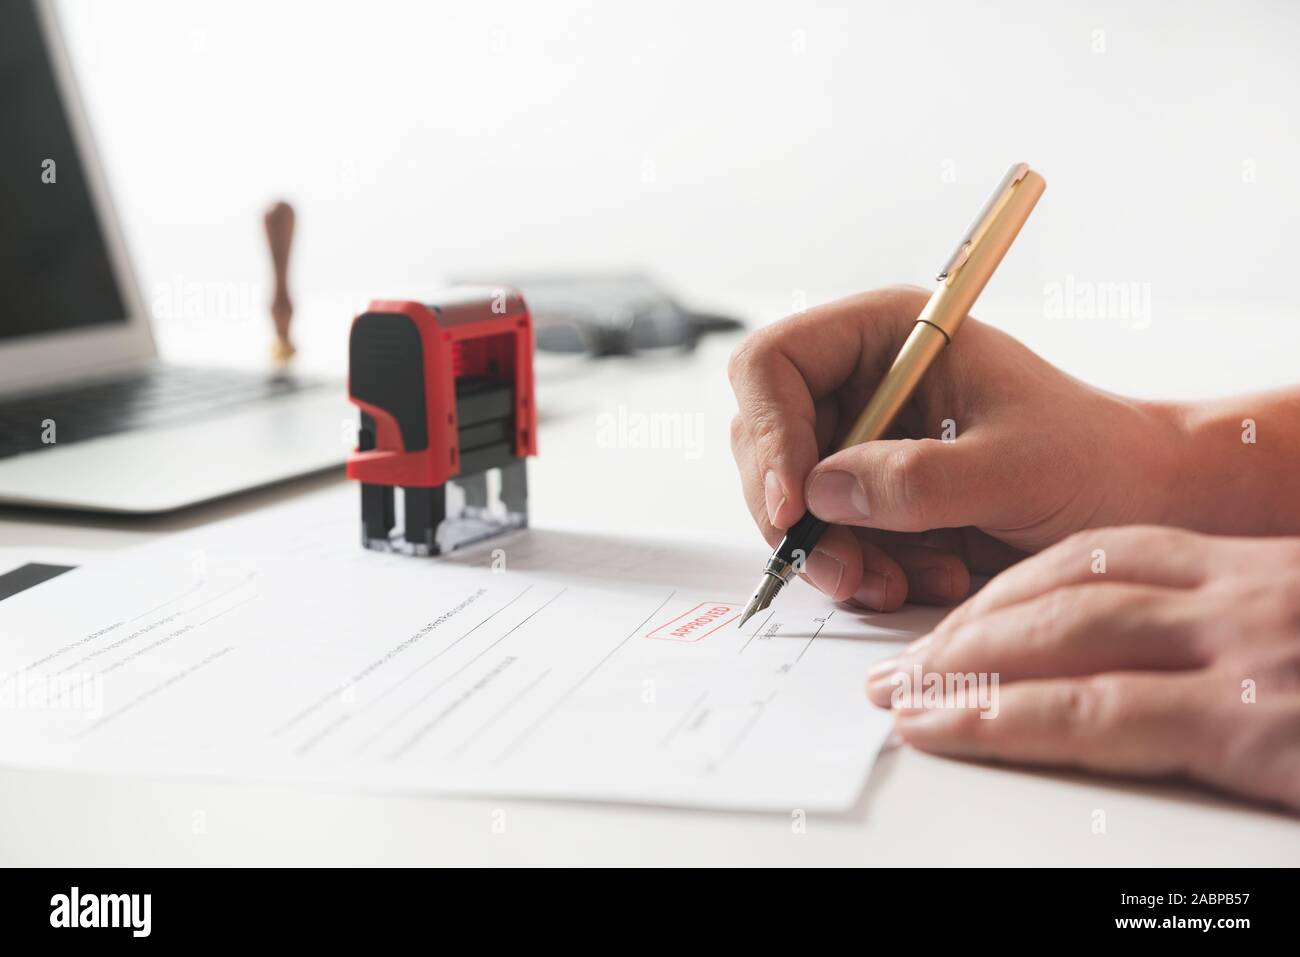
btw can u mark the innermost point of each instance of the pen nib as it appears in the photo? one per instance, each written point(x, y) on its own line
point(762, 597)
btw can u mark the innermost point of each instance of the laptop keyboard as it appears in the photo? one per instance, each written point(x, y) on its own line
point(166, 395)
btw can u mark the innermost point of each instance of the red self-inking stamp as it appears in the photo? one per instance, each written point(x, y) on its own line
point(447, 415)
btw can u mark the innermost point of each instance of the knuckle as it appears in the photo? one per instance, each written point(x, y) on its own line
point(1123, 539)
point(1270, 603)
point(1060, 607)
point(1088, 705)
point(1086, 539)
point(1079, 549)
point(766, 432)
point(910, 297)
point(1071, 543)
point(1141, 534)
point(945, 632)
point(911, 482)
point(1144, 540)
point(739, 360)
point(735, 359)
point(962, 640)
point(915, 295)
point(738, 432)
point(748, 355)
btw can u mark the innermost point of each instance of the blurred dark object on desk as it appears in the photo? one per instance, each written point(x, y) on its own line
point(608, 314)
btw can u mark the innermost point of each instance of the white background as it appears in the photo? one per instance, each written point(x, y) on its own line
point(754, 155)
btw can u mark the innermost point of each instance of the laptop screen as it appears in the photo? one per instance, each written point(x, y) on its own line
point(54, 266)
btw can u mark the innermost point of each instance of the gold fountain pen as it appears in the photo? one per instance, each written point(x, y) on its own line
point(961, 280)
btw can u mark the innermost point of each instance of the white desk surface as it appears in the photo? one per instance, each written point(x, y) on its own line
point(915, 810)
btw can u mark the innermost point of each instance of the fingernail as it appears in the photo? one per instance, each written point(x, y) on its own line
point(872, 591)
point(836, 497)
point(824, 570)
point(882, 669)
point(774, 492)
point(935, 582)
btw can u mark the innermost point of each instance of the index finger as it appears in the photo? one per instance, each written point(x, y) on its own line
point(1148, 725)
point(1136, 554)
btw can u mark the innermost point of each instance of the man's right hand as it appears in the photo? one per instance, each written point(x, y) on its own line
point(997, 454)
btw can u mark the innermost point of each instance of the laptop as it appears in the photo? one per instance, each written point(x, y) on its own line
point(90, 419)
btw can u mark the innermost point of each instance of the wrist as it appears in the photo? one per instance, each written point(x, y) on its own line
point(1212, 476)
point(1166, 458)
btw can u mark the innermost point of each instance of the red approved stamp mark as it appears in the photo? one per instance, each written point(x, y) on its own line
point(700, 622)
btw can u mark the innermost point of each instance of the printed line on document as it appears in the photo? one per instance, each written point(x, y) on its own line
point(581, 681)
point(804, 649)
point(442, 651)
point(492, 720)
point(756, 631)
point(681, 723)
point(185, 594)
point(759, 708)
point(365, 745)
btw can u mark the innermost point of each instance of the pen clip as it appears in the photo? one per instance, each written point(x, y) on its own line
point(982, 221)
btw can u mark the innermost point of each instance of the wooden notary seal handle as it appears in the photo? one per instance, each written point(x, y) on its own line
point(279, 236)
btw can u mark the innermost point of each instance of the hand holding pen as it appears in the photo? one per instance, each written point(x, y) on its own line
point(1120, 647)
point(995, 454)
point(960, 281)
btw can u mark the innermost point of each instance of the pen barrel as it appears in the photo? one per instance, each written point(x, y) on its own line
point(961, 282)
point(981, 255)
point(923, 343)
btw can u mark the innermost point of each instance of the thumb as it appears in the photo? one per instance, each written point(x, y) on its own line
point(909, 485)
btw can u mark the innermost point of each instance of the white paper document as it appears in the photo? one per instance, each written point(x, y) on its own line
point(548, 663)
